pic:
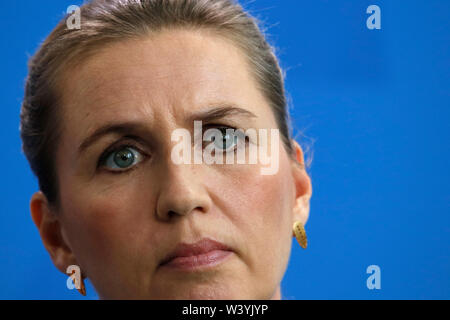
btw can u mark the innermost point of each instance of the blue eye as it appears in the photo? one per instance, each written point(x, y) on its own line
point(227, 141)
point(122, 158)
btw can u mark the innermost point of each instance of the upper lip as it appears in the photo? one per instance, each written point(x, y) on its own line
point(203, 246)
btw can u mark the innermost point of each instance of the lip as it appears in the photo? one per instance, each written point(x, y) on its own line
point(205, 253)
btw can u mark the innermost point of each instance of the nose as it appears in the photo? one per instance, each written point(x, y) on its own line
point(182, 192)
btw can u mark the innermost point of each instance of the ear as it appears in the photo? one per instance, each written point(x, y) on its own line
point(50, 229)
point(303, 187)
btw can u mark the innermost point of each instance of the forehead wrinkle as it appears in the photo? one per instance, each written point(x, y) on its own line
point(100, 95)
point(174, 98)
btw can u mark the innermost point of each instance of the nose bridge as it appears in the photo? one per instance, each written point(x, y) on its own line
point(182, 191)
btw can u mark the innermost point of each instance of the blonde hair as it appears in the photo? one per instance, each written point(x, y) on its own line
point(107, 21)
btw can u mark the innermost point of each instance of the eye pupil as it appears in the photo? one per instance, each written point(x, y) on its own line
point(124, 158)
point(227, 140)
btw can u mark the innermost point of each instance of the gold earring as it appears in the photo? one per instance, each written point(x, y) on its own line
point(300, 233)
point(82, 289)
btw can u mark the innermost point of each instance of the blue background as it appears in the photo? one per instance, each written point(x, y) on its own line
point(372, 104)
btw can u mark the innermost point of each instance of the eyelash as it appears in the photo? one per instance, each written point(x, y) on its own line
point(119, 146)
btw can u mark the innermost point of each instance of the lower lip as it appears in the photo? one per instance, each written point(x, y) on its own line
point(201, 261)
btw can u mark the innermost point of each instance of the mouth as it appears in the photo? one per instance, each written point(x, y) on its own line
point(203, 254)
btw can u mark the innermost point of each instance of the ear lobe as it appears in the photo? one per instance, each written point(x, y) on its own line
point(49, 227)
point(301, 210)
point(303, 187)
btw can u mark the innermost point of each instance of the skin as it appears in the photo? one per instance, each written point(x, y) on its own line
point(118, 227)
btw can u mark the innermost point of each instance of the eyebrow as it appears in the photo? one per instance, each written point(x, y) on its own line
point(208, 115)
point(220, 112)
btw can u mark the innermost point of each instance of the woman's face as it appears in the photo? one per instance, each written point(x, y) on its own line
point(123, 215)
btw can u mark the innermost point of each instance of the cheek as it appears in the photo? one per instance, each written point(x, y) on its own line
point(262, 212)
point(111, 231)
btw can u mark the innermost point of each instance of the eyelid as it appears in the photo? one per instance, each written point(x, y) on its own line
point(236, 128)
point(218, 125)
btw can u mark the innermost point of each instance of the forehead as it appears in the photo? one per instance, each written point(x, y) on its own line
point(173, 72)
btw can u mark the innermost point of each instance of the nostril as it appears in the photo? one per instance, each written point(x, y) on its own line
point(171, 213)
